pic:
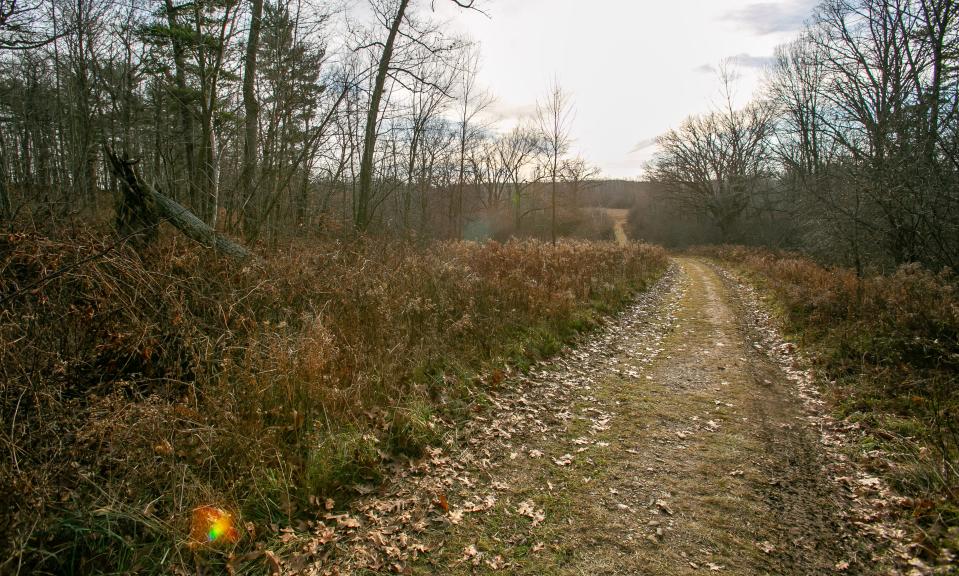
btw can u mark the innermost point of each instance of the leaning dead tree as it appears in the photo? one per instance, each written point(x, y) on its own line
point(141, 209)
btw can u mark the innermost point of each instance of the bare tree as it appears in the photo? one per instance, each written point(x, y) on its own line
point(715, 164)
point(871, 95)
point(554, 116)
point(214, 26)
point(820, 201)
point(251, 108)
point(517, 151)
point(473, 102)
point(392, 14)
point(183, 96)
point(430, 95)
point(577, 172)
point(23, 25)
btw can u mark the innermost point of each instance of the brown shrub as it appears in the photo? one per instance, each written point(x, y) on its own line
point(137, 386)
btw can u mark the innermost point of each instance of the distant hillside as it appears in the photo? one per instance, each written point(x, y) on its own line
point(603, 193)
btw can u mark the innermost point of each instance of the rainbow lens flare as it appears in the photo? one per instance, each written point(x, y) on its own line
point(212, 525)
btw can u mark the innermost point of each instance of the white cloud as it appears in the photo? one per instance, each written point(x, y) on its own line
point(772, 17)
point(634, 68)
point(643, 145)
point(749, 61)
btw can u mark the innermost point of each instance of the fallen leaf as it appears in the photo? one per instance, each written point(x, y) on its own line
point(564, 460)
point(274, 563)
point(344, 520)
point(164, 448)
point(869, 482)
point(664, 506)
point(528, 509)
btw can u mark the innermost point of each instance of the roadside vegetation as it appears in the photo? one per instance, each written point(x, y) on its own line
point(140, 385)
point(888, 346)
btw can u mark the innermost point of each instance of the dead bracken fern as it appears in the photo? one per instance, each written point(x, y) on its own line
point(138, 386)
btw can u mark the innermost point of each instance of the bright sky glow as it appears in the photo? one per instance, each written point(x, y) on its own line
point(635, 68)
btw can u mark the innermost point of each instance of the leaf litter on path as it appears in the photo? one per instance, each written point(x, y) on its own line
point(399, 523)
point(387, 528)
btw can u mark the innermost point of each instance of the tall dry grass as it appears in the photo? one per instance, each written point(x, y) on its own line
point(138, 386)
point(889, 345)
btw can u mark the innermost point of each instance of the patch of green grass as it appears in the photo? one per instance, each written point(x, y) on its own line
point(412, 429)
point(270, 496)
point(96, 536)
point(340, 459)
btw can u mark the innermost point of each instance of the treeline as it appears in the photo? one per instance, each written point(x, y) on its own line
point(850, 151)
point(270, 117)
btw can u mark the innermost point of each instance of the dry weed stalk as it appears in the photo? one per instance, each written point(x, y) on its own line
point(138, 386)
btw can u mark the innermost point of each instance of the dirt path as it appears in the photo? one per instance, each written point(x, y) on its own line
point(673, 448)
point(667, 444)
point(619, 223)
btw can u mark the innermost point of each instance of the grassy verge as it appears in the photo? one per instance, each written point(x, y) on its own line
point(137, 387)
point(889, 346)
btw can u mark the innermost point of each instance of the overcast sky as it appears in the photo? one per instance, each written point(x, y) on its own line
point(635, 68)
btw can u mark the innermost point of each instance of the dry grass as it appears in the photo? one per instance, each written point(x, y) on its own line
point(890, 347)
point(138, 386)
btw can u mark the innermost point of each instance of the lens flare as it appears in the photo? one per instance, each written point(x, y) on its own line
point(212, 525)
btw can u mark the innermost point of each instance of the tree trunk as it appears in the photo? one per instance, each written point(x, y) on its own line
point(460, 185)
point(251, 203)
point(363, 214)
point(136, 214)
point(148, 205)
point(182, 98)
point(6, 206)
point(552, 227)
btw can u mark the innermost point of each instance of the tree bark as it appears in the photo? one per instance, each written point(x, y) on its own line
point(150, 201)
point(183, 98)
point(6, 206)
point(251, 203)
point(363, 213)
point(552, 226)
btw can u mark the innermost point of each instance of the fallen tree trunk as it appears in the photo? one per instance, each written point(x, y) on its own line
point(136, 190)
